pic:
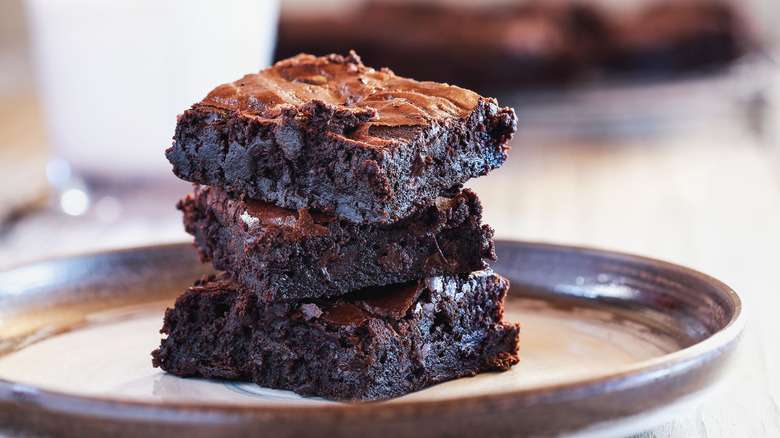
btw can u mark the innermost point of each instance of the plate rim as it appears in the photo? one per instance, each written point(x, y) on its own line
point(717, 345)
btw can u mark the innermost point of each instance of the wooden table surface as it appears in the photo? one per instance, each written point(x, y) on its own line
point(707, 198)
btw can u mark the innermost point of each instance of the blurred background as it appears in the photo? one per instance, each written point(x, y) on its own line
point(648, 126)
point(89, 92)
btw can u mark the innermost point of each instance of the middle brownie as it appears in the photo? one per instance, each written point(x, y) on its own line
point(290, 254)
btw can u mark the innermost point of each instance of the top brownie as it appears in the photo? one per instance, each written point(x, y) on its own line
point(331, 134)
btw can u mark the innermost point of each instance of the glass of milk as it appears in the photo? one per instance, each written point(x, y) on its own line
point(112, 75)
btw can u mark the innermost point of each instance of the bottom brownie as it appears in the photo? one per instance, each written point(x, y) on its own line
point(368, 345)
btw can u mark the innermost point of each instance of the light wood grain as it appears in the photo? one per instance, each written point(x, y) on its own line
point(708, 200)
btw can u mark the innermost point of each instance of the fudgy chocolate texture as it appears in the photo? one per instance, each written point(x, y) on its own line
point(286, 254)
point(370, 345)
point(331, 134)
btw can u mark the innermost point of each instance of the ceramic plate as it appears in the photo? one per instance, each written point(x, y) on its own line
point(610, 344)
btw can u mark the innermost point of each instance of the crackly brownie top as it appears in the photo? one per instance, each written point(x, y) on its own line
point(354, 93)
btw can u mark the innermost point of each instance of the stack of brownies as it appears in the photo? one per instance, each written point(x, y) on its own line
point(330, 194)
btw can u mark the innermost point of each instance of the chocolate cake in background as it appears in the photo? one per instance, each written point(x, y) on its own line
point(356, 264)
point(524, 45)
point(675, 37)
point(469, 47)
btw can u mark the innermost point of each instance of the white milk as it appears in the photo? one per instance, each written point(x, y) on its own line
point(113, 74)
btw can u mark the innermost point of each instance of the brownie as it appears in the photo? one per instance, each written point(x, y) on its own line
point(286, 254)
point(331, 134)
point(370, 345)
